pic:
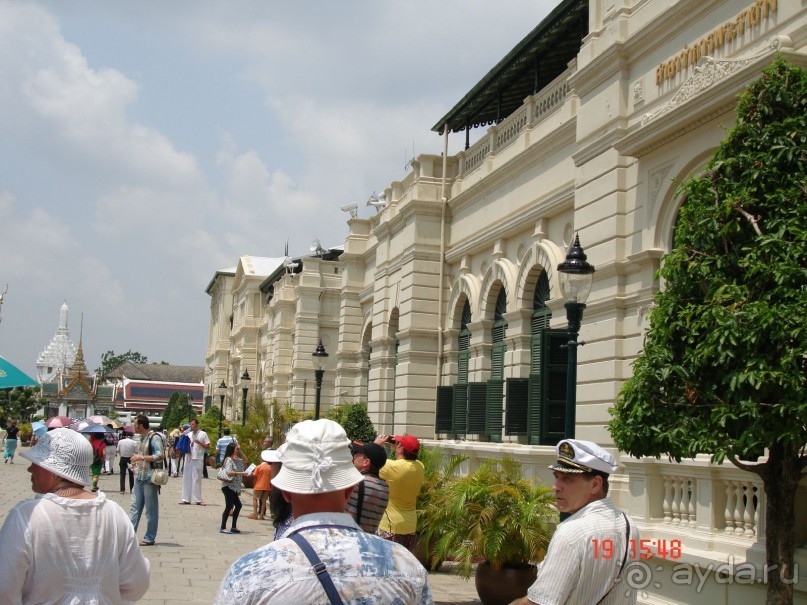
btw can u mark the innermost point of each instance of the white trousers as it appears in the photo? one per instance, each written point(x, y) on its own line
point(192, 479)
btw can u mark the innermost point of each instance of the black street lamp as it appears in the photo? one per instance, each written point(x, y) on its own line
point(576, 277)
point(222, 393)
point(318, 373)
point(245, 380)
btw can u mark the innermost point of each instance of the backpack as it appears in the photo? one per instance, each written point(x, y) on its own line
point(183, 445)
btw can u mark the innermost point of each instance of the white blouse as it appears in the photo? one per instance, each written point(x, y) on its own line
point(66, 551)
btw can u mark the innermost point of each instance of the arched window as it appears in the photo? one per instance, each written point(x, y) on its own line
point(546, 415)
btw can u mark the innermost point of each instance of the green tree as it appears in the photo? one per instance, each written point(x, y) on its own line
point(251, 435)
point(354, 419)
point(178, 411)
point(723, 369)
point(110, 361)
point(19, 403)
point(283, 418)
point(209, 423)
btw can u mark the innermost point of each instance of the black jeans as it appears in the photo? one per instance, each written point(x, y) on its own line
point(124, 468)
point(231, 501)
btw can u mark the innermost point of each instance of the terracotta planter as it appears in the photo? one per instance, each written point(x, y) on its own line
point(504, 586)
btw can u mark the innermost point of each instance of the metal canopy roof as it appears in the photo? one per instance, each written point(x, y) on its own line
point(535, 61)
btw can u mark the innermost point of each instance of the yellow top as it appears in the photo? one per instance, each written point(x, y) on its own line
point(405, 478)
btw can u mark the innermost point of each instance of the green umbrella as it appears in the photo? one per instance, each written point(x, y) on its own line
point(12, 376)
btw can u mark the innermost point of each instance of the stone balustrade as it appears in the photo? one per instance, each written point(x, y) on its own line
point(534, 110)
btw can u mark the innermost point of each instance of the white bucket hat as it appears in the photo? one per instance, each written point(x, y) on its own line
point(65, 453)
point(317, 459)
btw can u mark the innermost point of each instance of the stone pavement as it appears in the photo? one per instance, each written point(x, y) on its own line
point(191, 556)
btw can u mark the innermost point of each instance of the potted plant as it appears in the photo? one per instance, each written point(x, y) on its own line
point(495, 517)
point(436, 472)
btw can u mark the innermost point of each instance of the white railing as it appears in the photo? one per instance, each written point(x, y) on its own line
point(534, 110)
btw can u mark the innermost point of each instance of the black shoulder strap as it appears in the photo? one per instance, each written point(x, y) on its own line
point(319, 568)
point(624, 558)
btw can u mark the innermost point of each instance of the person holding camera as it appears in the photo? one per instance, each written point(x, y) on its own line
point(145, 494)
point(404, 475)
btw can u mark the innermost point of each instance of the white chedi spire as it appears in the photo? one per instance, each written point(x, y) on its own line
point(59, 355)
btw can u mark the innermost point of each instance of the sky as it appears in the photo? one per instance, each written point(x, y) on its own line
point(146, 145)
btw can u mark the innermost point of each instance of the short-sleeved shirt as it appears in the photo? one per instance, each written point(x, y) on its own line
point(12, 431)
point(237, 481)
point(364, 568)
point(157, 450)
point(404, 478)
point(263, 474)
point(575, 571)
point(374, 500)
point(221, 446)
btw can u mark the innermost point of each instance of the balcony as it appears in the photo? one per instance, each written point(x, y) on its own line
point(535, 111)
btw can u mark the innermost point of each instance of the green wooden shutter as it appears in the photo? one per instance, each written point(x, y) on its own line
point(495, 393)
point(445, 408)
point(459, 416)
point(517, 406)
point(477, 407)
point(553, 389)
point(540, 322)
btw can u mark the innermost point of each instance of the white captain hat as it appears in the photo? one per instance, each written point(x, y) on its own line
point(576, 456)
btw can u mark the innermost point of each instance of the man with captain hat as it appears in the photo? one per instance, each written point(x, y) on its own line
point(586, 560)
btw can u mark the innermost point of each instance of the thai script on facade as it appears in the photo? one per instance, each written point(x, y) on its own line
point(748, 19)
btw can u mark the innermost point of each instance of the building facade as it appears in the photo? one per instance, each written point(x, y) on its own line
point(450, 322)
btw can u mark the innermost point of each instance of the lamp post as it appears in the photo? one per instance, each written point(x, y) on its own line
point(576, 276)
point(222, 393)
point(245, 380)
point(319, 354)
point(190, 407)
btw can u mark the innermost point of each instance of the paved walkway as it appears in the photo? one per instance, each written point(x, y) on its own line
point(191, 556)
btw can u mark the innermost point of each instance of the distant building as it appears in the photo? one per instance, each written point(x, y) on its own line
point(142, 388)
point(70, 390)
point(59, 354)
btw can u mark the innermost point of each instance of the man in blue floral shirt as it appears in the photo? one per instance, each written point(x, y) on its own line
point(317, 478)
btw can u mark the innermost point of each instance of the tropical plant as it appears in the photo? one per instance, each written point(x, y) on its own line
point(493, 513)
point(723, 369)
point(251, 435)
point(283, 418)
point(354, 419)
point(26, 432)
point(437, 471)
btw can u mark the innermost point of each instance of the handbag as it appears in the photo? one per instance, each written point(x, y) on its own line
point(222, 475)
point(159, 475)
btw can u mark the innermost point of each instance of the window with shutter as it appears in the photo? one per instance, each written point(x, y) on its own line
point(445, 404)
point(459, 411)
point(553, 389)
point(495, 394)
point(477, 408)
point(517, 406)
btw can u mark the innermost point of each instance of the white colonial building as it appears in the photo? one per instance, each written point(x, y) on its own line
point(443, 311)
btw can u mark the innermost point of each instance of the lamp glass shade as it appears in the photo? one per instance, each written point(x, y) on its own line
point(575, 287)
